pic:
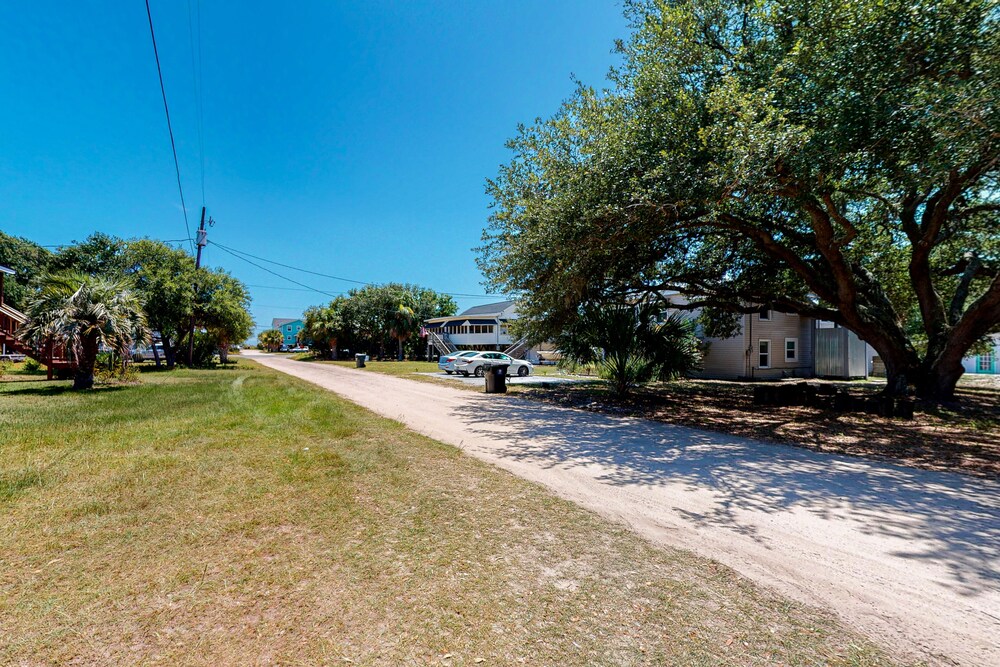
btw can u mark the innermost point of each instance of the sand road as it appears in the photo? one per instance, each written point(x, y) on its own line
point(910, 558)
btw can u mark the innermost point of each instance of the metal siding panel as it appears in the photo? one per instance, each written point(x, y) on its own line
point(829, 352)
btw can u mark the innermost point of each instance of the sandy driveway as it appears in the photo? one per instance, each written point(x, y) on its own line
point(909, 557)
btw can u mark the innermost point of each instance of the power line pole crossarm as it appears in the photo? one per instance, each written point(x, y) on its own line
point(202, 241)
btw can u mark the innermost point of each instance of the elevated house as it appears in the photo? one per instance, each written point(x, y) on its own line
point(53, 356)
point(289, 329)
point(478, 328)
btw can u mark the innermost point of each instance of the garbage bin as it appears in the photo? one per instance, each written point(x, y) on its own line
point(359, 360)
point(496, 378)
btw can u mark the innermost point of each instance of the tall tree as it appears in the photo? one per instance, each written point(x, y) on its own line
point(833, 159)
point(402, 323)
point(29, 260)
point(84, 313)
point(226, 312)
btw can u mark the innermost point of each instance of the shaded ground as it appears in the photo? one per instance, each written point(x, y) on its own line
point(965, 437)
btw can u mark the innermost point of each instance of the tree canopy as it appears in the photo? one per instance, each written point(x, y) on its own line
point(83, 313)
point(374, 318)
point(164, 279)
point(833, 159)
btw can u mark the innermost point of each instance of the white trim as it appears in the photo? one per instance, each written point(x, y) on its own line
point(768, 353)
point(794, 357)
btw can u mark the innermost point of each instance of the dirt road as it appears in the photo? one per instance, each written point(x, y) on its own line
point(909, 557)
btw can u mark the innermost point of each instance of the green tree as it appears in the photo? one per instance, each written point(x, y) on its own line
point(165, 277)
point(29, 260)
point(84, 313)
point(402, 324)
point(833, 159)
point(271, 340)
point(226, 313)
point(327, 327)
point(630, 345)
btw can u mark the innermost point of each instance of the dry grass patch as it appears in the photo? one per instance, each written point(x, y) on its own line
point(245, 517)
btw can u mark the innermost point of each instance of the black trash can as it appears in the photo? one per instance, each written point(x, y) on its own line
point(496, 378)
point(359, 360)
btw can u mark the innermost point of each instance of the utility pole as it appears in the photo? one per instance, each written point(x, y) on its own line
point(201, 242)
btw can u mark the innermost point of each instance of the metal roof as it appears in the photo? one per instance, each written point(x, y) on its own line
point(282, 321)
point(488, 309)
point(4, 269)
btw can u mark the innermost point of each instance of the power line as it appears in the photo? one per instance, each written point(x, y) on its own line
point(166, 111)
point(240, 253)
point(273, 273)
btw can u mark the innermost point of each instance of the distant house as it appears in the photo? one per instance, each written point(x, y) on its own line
point(483, 327)
point(289, 329)
point(772, 345)
point(987, 363)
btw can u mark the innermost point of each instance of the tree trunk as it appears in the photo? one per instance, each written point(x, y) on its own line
point(83, 378)
point(168, 352)
point(400, 341)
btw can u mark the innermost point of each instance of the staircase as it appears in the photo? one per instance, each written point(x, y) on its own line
point(53, 356)
point(441, 342)
point(518, 349)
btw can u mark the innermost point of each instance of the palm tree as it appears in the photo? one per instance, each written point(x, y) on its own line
point(402, 322)
point(85, 313)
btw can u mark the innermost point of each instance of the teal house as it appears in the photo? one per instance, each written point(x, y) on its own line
point(289, 329)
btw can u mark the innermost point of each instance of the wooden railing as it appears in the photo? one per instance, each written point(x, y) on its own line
point(52, 356)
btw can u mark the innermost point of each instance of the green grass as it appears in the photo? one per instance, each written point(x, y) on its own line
point(18, 372)
point(240, 516)
point(413, 370)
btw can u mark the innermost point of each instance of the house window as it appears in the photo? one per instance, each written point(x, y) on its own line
point(764, 354)
point(764, 315)
point(791, 349)
point(288, 328)
point(986, 362)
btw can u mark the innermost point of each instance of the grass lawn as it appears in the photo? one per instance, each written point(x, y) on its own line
point(240, 516)
point(413, 369)
point(17, 372)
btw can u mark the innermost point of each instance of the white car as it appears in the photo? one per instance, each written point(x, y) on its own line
point(474, 365)
point(446, 362)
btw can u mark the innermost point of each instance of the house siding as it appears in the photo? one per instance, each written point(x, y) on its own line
point(726, 358)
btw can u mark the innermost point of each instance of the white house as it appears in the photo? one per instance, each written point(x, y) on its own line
point(478, 328)
point(773, 345)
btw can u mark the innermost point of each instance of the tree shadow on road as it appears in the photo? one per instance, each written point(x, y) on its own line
point(949, 518)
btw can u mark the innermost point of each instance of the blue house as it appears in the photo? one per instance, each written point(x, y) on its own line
point(289, 329)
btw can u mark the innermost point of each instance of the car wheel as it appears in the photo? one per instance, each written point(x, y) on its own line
point(449, 372)
point(478, 371)
point(522, 371)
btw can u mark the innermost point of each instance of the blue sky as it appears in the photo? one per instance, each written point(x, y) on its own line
point(350, 138)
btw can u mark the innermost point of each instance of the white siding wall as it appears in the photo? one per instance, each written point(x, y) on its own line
point(725, 359)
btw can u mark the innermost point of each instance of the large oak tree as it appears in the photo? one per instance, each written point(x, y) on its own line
point(833, 159)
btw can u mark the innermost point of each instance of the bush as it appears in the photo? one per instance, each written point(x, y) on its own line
point(630, 346)
point(32, 365)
